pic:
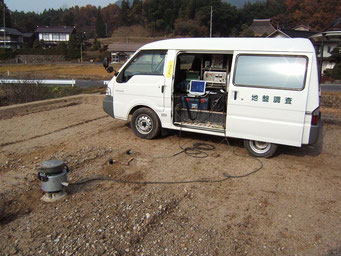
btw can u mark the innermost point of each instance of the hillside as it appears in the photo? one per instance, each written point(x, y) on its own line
point(240, 3)
point(237, 3)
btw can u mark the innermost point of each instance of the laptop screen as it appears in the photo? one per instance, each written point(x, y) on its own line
point(197, 87)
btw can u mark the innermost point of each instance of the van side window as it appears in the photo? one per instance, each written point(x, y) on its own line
point(277, 72)
point(144, 63)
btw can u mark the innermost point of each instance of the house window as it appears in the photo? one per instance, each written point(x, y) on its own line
point(55, 37)
point(62, 37)
point(46, 37)
point(115, 58)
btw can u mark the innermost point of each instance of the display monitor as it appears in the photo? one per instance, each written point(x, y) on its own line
point(197, 87)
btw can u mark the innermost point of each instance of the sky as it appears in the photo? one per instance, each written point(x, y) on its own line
point(40, 5)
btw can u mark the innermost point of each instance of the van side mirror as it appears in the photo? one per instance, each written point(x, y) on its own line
point(105, 63)
point(110, 69)
point(106, 66)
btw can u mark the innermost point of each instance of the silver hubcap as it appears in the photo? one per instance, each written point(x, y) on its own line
point(144, 124)
point(260, 147)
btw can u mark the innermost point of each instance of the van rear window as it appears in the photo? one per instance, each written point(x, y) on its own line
point(278, 72)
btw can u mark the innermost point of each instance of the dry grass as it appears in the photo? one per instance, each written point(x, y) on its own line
point(60, 70)
point(133, 34)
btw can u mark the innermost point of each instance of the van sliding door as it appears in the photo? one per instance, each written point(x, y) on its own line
point(268, 96)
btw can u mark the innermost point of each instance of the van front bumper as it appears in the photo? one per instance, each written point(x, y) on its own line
point(108, 105)
point(315, 131)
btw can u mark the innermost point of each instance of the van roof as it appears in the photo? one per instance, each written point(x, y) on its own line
point(233, 44)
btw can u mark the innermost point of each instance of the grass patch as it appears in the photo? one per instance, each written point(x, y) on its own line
point(91, 71)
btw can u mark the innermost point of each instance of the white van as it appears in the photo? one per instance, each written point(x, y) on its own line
point(262, 90)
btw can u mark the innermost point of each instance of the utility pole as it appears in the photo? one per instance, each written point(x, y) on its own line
point(82, 51)
point(82, 38)
point(321, 55)
point(4, 22)
point(211, 22)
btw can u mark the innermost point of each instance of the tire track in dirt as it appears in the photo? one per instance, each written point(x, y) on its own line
point(45, 134)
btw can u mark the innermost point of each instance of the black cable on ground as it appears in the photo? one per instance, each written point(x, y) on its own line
point(196, 151)
point(226, 177)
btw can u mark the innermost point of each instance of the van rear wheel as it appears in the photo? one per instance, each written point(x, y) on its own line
point(145, 123)
point(259, 148)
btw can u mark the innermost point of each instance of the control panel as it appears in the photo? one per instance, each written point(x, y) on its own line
point(215, 77)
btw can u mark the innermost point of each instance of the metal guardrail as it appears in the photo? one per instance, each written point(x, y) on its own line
point(45, 81)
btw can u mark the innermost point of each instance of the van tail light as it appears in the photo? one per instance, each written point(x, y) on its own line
point(316, 116)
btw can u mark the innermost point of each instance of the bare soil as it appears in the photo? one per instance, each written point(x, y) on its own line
point(290, 207)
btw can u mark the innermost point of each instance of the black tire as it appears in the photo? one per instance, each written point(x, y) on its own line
point(145, 123)
point(259, 148)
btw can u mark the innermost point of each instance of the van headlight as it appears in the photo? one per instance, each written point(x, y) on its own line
point(108, 91)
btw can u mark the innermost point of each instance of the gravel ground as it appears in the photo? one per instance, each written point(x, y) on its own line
point(290, 207)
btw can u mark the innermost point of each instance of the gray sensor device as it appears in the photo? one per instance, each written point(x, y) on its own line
point(53, 177)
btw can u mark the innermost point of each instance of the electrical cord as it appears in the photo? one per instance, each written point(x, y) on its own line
point(198, 111)
point(196, 151)
point(213, 108)
point(203, 180)
point(188, 111)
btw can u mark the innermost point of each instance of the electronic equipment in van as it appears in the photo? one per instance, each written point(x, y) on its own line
point(215, 77)
point(197, 88)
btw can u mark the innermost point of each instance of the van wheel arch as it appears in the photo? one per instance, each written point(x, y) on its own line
point(260, 149)
point(145, 123)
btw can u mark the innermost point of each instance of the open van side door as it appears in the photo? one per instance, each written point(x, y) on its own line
point(267, 96)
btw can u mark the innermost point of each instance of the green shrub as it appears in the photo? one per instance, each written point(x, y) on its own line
point(23, 92)
point(336, 72)
point(37, 51)
point(6, 54)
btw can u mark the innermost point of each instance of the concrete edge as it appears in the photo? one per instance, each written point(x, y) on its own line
point(43, 105)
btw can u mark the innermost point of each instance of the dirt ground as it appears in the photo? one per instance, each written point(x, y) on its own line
point(290, 207)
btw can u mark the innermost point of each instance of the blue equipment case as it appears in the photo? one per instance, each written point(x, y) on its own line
point(198, 103)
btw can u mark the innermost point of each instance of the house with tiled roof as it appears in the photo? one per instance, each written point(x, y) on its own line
point(120, 52)
point(331, 39)
point(52, 35)
point(12, 38)
point(291, 33)
point(325, 43)
point(261, 27)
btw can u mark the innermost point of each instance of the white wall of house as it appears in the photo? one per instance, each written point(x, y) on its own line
point(328, 48)
point(54, 37)
point(279, 35)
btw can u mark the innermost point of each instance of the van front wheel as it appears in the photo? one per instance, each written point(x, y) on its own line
point(145, 123)
point(259, 148)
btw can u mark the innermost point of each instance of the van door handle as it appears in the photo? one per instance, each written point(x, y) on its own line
point(163, 88)
point(235, 95)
